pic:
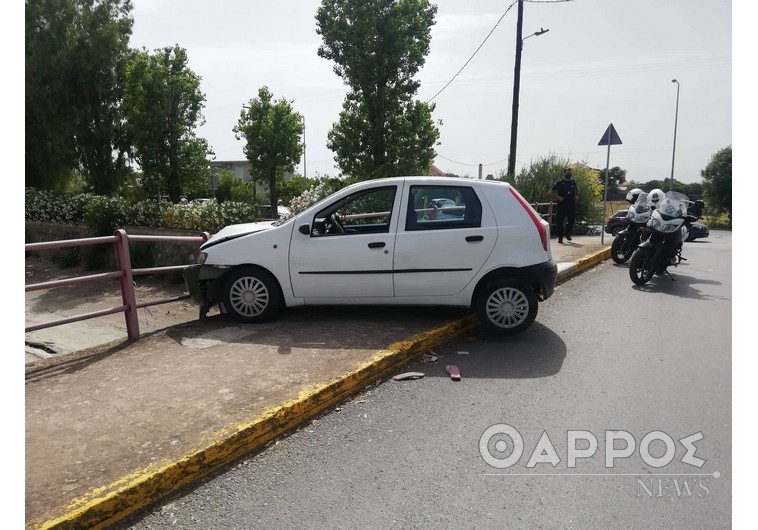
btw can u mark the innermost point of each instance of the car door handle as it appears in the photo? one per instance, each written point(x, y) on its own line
point(376, 245)
point(474, 239)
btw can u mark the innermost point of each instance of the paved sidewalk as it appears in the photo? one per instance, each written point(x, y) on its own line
point(113, 428)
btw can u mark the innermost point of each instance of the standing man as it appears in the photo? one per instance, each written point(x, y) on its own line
point(566, 192)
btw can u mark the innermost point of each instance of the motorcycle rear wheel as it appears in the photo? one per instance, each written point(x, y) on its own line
point(641, 268)
point(619, 254)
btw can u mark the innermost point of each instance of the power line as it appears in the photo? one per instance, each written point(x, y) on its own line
point(475, 52)
point(472, 165)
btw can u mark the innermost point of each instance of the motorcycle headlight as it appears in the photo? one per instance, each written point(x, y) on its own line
point(656, 224)
point(202, 257)
point(630, 217)
point(667, 229)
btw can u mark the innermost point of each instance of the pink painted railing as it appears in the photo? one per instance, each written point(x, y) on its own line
point(125, 274)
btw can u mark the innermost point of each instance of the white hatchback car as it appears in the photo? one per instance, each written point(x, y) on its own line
point(379, 243)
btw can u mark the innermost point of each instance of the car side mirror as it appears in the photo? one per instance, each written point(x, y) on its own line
point(304, 229)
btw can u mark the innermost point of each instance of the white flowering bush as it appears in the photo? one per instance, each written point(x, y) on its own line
point(46, 206)
point(104, 214)
point(311, 196)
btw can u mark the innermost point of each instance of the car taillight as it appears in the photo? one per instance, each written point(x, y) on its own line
point(533, 215)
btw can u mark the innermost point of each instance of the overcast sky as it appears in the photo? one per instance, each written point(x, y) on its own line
point(602, 62)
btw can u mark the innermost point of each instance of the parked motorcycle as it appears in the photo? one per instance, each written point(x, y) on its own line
point(635, 223)
point(668, 228)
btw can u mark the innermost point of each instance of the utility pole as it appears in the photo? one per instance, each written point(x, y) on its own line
point(516, 88)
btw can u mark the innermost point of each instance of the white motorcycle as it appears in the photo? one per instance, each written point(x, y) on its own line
point(635, 227)
point(668, 227)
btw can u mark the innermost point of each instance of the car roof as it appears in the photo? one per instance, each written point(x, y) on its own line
point(431, 181)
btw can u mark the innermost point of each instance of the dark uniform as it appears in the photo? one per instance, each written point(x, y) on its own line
point(566, 188)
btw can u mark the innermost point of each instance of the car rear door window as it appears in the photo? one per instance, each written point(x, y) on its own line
point(442, 208)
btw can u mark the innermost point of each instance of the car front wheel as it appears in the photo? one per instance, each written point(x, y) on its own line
point(251, 295)
point(506, 306)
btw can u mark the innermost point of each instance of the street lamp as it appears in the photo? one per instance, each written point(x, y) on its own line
point(305, 166)
point(517, 85)
point(676, 119)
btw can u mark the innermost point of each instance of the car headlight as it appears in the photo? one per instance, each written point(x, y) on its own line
point(202, 257)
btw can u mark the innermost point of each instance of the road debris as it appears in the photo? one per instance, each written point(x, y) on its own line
point(455, 374)
point(429, 357)
point(408, 376)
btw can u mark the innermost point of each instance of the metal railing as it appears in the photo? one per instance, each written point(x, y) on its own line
point(125, 274)
point(545, 209)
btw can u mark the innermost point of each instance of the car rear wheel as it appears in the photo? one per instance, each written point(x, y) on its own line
point(506, 306)
point(251, 295)
point(615, 230)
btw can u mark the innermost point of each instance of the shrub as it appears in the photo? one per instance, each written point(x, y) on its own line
point(104, 215)
point(46, 206)
point(535, 181)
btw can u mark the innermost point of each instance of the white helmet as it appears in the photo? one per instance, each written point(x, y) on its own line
point(631, 197)
point(655, 196)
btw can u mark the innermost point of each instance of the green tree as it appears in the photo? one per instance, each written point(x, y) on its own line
point(717, 182)
point(233, 188)
point(74, 56)
point(693, 190)
point(272, 131)
point(378, 46)
point(162, 105)
point(294, 187)
point(616, 177)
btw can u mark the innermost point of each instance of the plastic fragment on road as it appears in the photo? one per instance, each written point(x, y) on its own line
point(455, 374)
point(408, 376)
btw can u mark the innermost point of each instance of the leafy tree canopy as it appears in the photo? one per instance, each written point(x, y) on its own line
point(717, 182)
point(272, 132)
point(75, 55)
point(694, 190)
point(233, 188)
point(616, 177)
point(163, 105)
point(378, 46)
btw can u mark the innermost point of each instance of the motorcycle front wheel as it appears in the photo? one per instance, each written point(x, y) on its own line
point(641, 268)
point(619, 253)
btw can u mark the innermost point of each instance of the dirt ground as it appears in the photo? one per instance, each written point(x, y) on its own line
point(64, 302)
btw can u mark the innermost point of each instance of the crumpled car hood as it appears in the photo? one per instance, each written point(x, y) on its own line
point(235, 231)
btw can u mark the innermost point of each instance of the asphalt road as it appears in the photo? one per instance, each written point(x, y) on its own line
point(603, 356)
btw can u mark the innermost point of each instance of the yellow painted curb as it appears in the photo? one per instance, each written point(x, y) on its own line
point(585, 263)
point(109, 504)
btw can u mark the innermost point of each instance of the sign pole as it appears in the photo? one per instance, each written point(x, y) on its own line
point(605, 193)
point(610, 137)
